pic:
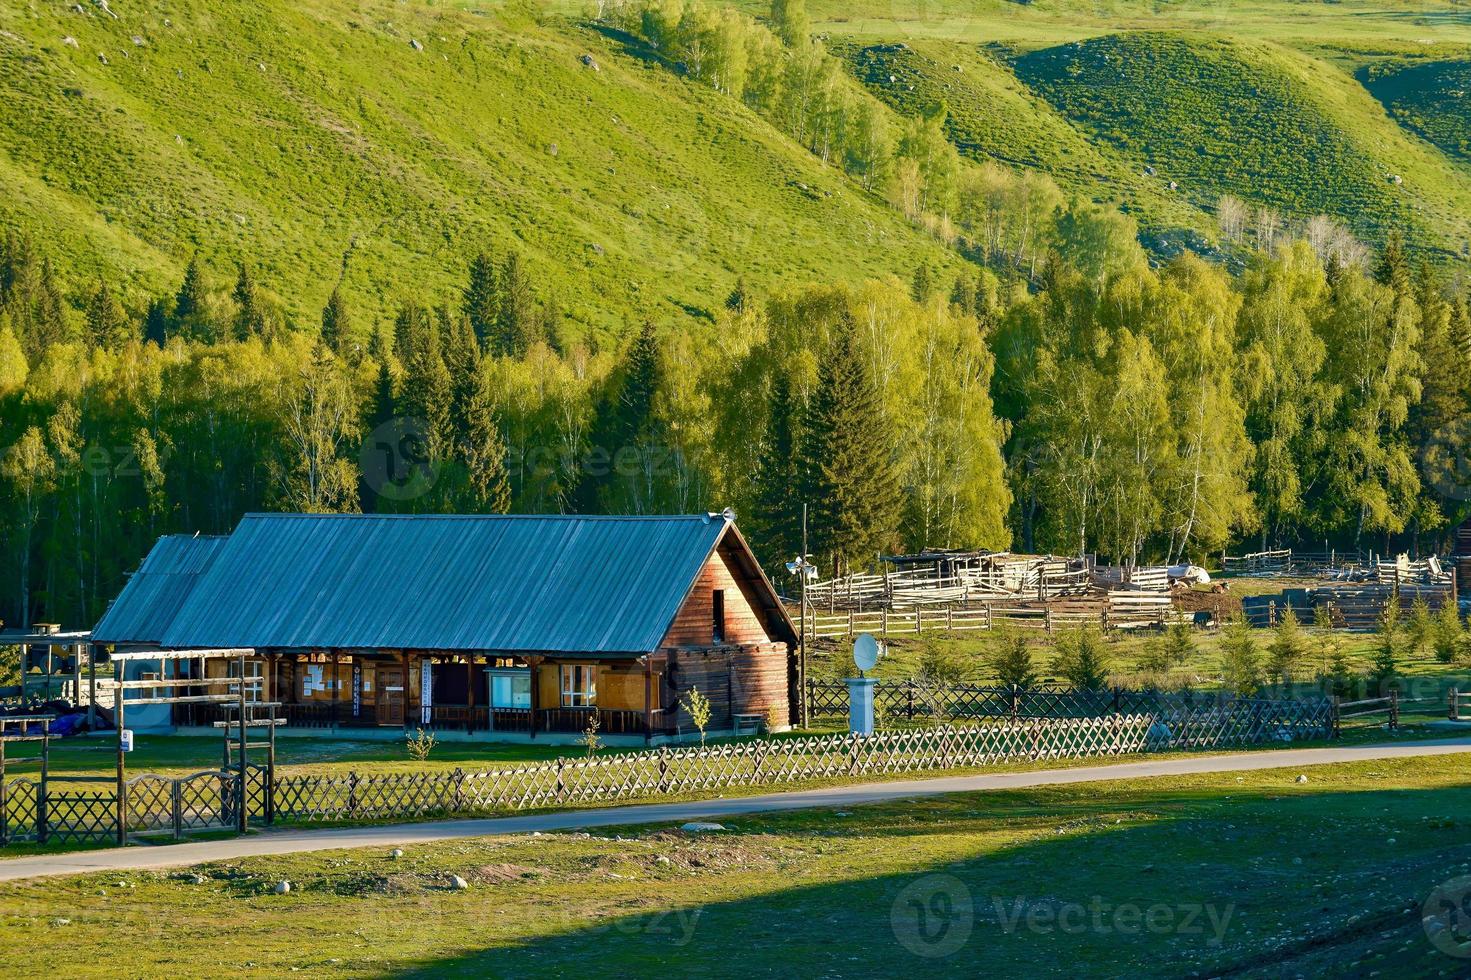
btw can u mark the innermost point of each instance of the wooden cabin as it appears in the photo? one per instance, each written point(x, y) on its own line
point(503, 625)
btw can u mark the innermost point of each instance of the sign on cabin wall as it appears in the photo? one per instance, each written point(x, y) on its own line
point(357, 690)
point(311, 680)
point(426, 689)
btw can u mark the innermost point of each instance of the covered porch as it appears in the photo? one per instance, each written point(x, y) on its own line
point(478, 695)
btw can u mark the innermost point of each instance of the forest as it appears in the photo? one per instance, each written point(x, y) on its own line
point(1067, 392)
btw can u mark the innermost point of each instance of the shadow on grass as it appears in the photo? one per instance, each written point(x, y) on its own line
point(1106, 882)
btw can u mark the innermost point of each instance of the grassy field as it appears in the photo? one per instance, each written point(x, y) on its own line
point(292, 135)
point(1250, 875)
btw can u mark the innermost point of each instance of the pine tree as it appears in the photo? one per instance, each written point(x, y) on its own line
point(923, 286)
point(482, 300)
point(107, 324)
point(776, 521)
point(189, 303)
point(336, 325)
point(49, 317)
point(1081, 659)
point(851, 479)
point(1009, 656)
point(1241, 661)
point(381, 411)
point(1388, 648)
point(250, 314)
point(739, 297)
point(517, 324)
point(1447, 633)
point(411, 328)
point(485, 451)
point(462, 359)
point(156, 322)
point(428, 394)
point(963, 296)
point(622, 433)
point(1394, 265)
point(1287, 649)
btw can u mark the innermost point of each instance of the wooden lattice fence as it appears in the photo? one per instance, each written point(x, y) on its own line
point(637, 775)
point(913, 700)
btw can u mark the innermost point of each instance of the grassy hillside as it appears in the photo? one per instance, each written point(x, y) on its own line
point(409, 136)
point(992, 115)
point(1256, 120)
point(1433, 99)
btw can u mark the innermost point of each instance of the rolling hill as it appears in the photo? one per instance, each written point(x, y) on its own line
point(1432, 98)
point(408, 137)
point(1163, 123)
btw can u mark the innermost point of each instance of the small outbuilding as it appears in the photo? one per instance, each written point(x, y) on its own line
point(501, 625)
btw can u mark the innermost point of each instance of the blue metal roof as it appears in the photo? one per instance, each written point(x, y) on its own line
point(153, 595)
point(494, 583)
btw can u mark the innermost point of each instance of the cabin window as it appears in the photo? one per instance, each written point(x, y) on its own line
point(579, 686)
point(717, 615)
point(254, 679)
point(510, 689)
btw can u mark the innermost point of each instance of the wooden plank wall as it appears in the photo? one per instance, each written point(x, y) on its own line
point(744, 619)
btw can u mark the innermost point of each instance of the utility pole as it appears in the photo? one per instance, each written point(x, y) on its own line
point(802, 632)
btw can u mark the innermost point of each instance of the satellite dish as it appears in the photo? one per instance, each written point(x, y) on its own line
point(866, 652)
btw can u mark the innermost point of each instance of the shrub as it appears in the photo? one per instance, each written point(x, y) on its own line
point(1420, 627)
point(1081, 658)
point(699, 708)
point(1241, 661)
point(1010, 659)
point(1388, 648)
point(1287, 649)
point(1448, 634)
point(420, 744)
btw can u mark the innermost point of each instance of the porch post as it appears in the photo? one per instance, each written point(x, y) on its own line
point(336, 689)
point(470, 692)
point(648, 698)
point(408, 687)
point(92, 684)
point(535, 664)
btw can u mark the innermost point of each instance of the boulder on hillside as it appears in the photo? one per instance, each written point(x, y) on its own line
point(590, 62)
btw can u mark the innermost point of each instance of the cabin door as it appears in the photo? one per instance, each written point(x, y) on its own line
point(390, 683)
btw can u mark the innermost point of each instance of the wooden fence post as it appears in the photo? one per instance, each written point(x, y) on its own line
point(909, 699)
point(663, 769)
point(459, 784)
point(177, 808)
point(988, 616)
point(884, 622)
point(1334, 729)
point(918, 616)
point(850, 624)
point(1047, 614)
point(352, 793)
point(1393, 709)
point(1454, 713)
point(949, 619)
point(561, 780)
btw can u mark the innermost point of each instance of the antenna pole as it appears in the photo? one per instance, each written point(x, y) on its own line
point(802, 633)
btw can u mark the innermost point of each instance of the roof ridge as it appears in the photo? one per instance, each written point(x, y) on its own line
point(478, 517)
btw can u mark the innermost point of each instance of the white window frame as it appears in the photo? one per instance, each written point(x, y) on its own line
point(579, 685)
point(513, 678)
